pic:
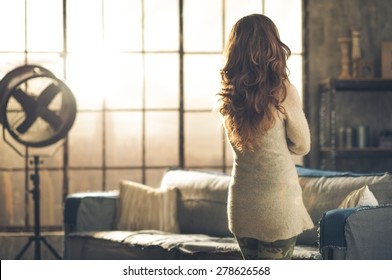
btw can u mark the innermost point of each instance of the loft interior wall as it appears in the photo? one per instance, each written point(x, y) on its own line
point(325, 21)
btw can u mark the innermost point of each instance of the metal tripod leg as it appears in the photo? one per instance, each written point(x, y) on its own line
point(37, 238)
point(37, 252)
point(25, 247)
point(51, 249)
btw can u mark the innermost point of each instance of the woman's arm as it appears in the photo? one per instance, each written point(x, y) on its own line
point(297, 128)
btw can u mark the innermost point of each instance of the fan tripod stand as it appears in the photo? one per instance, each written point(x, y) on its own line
point(37, 110)
point(37, 238)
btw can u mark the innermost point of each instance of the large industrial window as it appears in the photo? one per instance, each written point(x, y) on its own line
point(145, 74)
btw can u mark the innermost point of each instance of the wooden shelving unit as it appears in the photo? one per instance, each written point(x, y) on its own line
point(353, 103)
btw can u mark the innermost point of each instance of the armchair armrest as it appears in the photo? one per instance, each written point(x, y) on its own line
point(90, 211)
point(357, 233)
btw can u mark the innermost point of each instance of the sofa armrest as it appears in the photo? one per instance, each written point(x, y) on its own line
point(90, 211)
point(357, 233)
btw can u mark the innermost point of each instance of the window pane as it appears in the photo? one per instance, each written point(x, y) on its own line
point(113, 177)
point(86, 78)
point(85, 138)
point(202, 80)
point(202, 26)
point(84, 25)
point(85, 181)
point(123, 139)
point(9, 157)
point(9, 62)
point(295, 66)
point(162, 138)
point(53, 62)
point(237, 9)
point(12, 191)
point(45, 25)
point(123, 25)
point(203, 140)
point(118, 78)
point(12, 25)
point(154, 177)
point(162, 81)
point(287, 16)
point(161, 25)
point(123, 81)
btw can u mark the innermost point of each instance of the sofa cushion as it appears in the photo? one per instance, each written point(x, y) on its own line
point(142, 207)
point(150, 244)
point(160, 245)
point(114, 245)
point(202, 200)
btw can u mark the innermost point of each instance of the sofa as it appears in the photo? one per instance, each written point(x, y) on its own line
point(185, 218)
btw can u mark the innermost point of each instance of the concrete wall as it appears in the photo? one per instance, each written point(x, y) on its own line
point(325, 21)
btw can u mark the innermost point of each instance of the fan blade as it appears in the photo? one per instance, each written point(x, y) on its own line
point(28, 103)
point(26, 124)
point(44, 112)
point(32, 106)
point(48, 95)
point(51, 117)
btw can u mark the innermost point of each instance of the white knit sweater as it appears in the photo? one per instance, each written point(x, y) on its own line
point(265, 198)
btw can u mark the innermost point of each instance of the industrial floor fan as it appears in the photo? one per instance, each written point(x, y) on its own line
point(36, 110)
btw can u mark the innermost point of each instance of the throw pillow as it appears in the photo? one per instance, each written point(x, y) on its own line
point(360, 197)
point(142, 207)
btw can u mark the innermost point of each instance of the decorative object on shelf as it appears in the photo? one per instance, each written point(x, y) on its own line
point(386, 60)
point(355, 53)
point(350, 137)
point(386, 139)
point(365, 68)
point(345, 60)
point(354, 66)
point(342, 137)
point(363, 136)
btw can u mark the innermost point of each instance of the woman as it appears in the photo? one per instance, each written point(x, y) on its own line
point(265, 124)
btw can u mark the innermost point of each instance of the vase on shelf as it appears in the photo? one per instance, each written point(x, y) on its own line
point(355, 53)
point(344, 43)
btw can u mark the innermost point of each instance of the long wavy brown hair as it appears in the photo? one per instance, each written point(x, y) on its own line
point(253, 79)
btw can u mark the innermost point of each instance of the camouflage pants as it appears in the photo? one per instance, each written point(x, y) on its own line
point(253, 249)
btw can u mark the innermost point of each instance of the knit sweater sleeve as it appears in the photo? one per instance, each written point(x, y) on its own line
point(297, 128)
